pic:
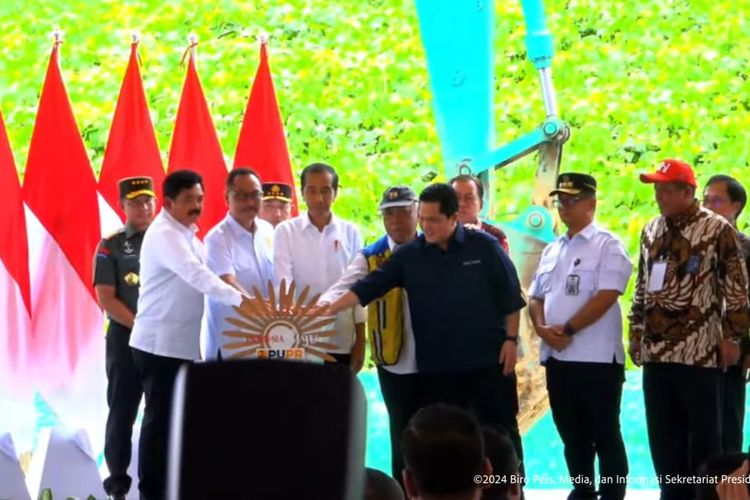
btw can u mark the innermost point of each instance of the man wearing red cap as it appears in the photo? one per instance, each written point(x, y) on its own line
point(690, 310)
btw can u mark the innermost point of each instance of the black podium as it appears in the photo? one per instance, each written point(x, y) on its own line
point(259, 429)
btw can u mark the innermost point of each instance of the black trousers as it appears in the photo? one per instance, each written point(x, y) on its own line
point(158, 374)
point(682, 414)
point(489, 394)
point(400, 396)
point(585, 402)
point(341, 359)
point(732, 409)
point(124, 391)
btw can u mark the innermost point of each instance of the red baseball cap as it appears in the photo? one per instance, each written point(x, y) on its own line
point(671, 171)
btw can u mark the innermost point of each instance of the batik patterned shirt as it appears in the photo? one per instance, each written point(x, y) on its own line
point(704, 295)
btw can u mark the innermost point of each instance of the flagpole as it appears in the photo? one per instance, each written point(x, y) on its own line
point(193, 41)
point(57, 36)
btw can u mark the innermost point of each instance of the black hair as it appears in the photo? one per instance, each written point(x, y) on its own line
point(502, 455)
point(320, 168)
point(735, 190)
point(443, 449)
point(470, 178)
point(178, 181)
point(443, 194)
point(381, 486)
point(236, 172)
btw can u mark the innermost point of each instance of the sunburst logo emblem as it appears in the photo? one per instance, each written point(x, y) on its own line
point(286, 328)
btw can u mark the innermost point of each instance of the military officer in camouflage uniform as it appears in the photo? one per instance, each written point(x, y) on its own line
point(116, 281)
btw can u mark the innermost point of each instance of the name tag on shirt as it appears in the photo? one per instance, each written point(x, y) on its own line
point(693, 264)
point(656, 281)
point(572, 284)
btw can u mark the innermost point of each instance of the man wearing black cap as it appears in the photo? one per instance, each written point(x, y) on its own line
point(277, 202)
point(388, 318)
point(574, 309)
point(116, 281)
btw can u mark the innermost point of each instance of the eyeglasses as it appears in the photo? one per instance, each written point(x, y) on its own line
point(246, 196)
point(714, 201)
point(566, 202)
point(138, 203)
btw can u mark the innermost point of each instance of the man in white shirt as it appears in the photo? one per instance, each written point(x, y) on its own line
point(240, 251)
point(166, 333)
point(574, 309)
point(388, 318)
point(314, 249)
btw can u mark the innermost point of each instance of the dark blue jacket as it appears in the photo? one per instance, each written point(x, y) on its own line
point(458, 298)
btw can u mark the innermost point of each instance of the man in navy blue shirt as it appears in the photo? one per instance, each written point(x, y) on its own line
point(465, 299)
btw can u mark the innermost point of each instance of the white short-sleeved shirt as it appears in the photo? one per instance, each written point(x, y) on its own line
point(174, 279)
point(570, 272)
point(318, 259)
point(232, 249)
point(358, 269)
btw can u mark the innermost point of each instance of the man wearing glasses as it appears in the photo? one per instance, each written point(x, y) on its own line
point(574, 309)
point(239, 250)
point(470, 193)
point(725, 196)
point(116, 282)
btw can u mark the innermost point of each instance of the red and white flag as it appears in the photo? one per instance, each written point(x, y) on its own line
point(132, 150)
point(15, 288)
point(195, 146)
point(63, 225)
point(262, 143)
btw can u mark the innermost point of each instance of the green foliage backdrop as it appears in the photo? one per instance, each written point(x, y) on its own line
point(637, 81)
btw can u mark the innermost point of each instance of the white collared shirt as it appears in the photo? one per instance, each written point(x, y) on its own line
point(318, 259)
point(232, 249)
point(174, 279)
point(570, 272)
point(358, 269)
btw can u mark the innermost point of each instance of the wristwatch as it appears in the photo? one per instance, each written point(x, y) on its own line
point(568, 329)
point(513, 339)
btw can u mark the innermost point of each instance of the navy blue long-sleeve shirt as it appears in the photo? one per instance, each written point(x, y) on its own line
point(458, 298)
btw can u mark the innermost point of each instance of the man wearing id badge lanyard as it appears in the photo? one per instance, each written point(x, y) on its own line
point(574, 309)
point(689, 313)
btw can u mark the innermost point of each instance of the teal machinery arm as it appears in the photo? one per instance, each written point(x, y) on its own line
point(458, 39)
